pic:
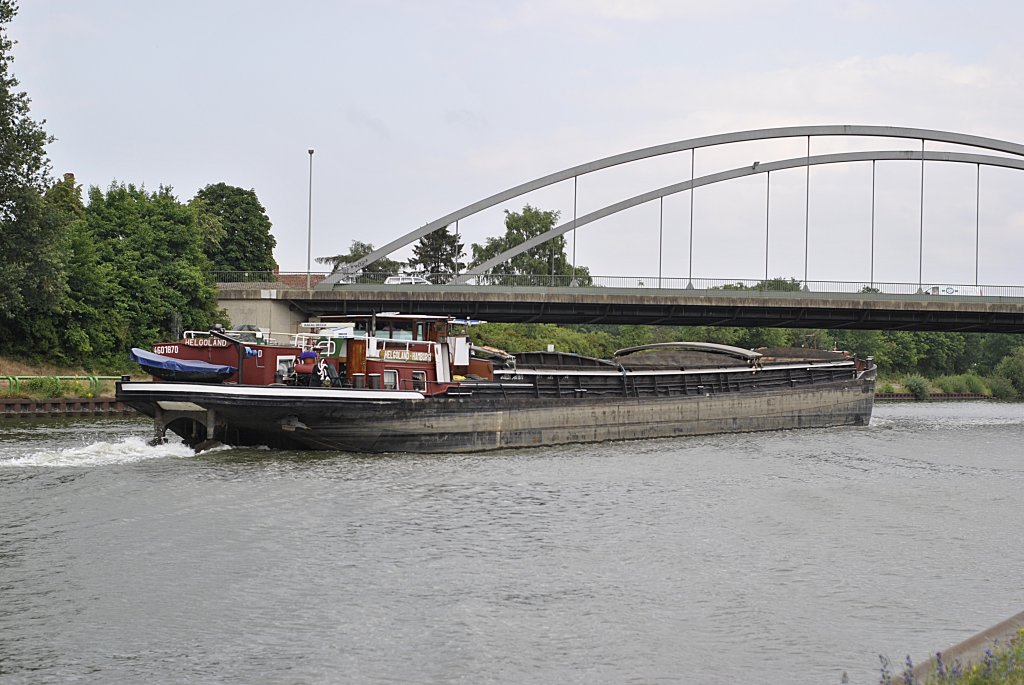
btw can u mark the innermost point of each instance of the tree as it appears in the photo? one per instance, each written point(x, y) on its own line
point(243, 241)
point(358, 250)
point(32, 285)
point(941, 353)
point(985, 350)
point(776, 284)
point(153, 246)
point(211, 228)
point(438, 252)
point(91, 325)
point(528, 337)
point(547, 262)
point(1012, 369)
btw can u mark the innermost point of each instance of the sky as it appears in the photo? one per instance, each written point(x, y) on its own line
point(416, 109)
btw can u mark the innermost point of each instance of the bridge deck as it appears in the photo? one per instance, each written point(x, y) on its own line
point(874, 311)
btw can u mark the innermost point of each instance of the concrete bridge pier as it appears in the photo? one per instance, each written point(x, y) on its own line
point(265, 311)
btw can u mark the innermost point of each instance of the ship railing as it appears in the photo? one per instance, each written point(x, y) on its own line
point(258, 337)
point(383, 344)
point(309, 341)
point(306, 341)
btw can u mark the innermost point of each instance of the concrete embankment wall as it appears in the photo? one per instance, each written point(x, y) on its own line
point(19, 407)
point(971, 650)
point(933, 397)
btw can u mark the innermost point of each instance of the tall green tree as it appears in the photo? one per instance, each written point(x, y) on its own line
point(372, 273)
point(547, 262)
point(153, 245)
point(211, 228)
point(984, 351)
point(438, 253)
point(243, 241)
point(92, 327)
point(32, 284)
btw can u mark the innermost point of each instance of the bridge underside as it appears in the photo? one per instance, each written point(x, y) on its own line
point(671, 308)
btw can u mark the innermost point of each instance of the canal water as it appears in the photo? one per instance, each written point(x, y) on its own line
point(761, 558)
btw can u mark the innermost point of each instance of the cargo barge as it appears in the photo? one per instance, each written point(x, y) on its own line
point(393, 383)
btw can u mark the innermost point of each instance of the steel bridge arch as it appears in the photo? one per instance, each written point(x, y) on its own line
point(694, 144)
point(739, 172)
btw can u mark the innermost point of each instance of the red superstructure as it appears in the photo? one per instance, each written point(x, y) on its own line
point(385, 351)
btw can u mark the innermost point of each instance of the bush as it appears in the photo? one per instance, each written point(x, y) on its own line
point(976, 383)
point(1002, 389)
point(41, 388)
point(952, 384)
point(918, 386)
point(74, 389)
point(887, 387)
point(965, 382)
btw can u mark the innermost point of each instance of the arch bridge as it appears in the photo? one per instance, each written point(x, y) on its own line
point(687, 300)
point(1011, 156)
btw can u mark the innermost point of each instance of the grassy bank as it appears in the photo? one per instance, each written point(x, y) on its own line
point(994, 387)
point(48, 387)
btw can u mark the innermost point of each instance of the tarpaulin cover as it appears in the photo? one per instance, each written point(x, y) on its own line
point(158, 361)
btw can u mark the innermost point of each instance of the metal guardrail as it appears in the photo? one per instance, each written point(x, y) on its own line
point(268, 279)
point(14, 382)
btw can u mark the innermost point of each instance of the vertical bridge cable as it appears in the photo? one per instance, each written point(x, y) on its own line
point(920, 240)
point(873, 162)
point(807, 208)
point(573, 282)
point(661, 233)
point(693, 154)
point(977, 221)
point(767, 214)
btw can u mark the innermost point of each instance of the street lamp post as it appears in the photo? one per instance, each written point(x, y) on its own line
point(309, 229)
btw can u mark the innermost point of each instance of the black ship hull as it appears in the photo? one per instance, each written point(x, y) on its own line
point(491, 415)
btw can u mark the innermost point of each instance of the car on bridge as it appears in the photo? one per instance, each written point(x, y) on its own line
point(972, 290)
point(406, 280)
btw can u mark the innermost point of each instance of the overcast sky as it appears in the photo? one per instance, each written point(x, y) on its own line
point(416, 109)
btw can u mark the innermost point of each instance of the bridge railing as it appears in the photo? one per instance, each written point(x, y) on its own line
point(268, 279)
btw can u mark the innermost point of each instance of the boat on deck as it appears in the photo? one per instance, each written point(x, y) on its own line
point(171, 369)
point(411, 383)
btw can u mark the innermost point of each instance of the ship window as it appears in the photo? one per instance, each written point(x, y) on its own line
point(419, 380)
point(390, 379)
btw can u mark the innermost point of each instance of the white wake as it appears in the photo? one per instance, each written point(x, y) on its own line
point(126, 450)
